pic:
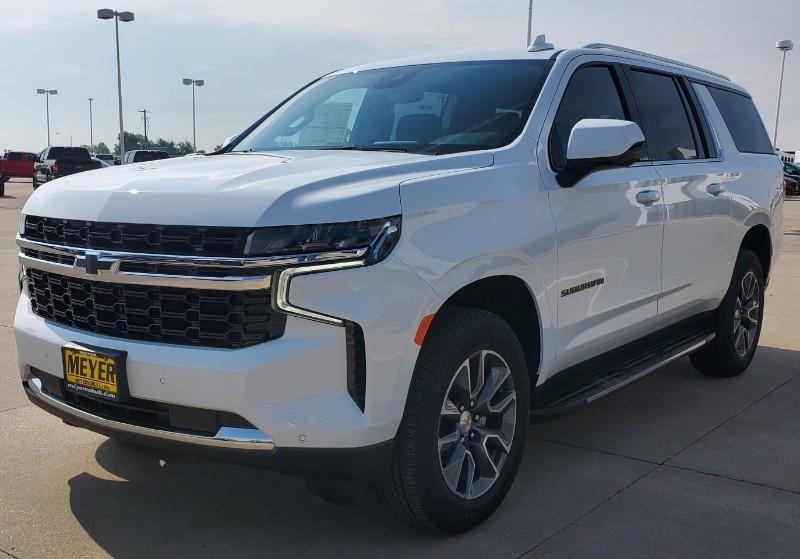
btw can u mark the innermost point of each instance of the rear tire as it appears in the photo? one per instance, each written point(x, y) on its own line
point(737, 322)
point(461, 440)
point(2, 186)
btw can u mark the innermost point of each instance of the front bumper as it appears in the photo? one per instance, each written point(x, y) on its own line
point(249, 447)
point(293, 389)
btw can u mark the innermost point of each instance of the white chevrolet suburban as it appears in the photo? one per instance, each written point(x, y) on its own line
point(391, 274)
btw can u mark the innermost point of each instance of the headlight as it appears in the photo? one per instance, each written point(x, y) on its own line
point(21, 229)
point(378, 235)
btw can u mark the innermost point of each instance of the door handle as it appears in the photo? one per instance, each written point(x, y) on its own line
point(648, 197)
point(716, 188)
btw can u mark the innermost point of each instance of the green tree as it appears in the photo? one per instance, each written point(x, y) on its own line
point(184, 147)
point(101, 147)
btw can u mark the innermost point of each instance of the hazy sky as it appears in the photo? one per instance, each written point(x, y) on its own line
point(253, 53)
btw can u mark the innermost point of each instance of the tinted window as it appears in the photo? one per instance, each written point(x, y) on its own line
point(743, 121)
point(142, 156)
point(665, 120)
point(430, 108)
point(591, 93)
point(75, 154)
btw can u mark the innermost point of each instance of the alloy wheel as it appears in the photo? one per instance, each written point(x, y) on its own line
point(747, 314)
point(477, 423)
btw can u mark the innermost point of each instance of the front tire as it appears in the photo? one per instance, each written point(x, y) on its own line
point(35, 182)
point(461, 440)
point(737, 323)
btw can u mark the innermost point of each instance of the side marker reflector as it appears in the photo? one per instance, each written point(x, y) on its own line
point(422, 329)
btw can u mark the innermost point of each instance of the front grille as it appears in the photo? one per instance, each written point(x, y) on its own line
point(209, 318)
point(145, 413)
point(180, 240)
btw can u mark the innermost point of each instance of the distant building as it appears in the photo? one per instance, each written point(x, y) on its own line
point(788, 156)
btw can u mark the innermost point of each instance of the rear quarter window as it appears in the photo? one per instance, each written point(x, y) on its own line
point(743, 121)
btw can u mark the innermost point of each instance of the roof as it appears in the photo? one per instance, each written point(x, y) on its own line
point(524, 54)
point(468, 56)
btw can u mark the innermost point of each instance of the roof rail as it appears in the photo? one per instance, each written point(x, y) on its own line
point(654, 57)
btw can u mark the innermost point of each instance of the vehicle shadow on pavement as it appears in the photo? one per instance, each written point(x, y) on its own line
point(155, 503)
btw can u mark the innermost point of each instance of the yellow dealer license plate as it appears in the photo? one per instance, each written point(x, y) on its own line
point(95, 372)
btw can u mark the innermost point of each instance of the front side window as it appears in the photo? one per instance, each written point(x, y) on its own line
point(429, 108)
point(665, 120)
point(592, 92)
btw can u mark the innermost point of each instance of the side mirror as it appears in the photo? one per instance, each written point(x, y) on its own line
point(600, 142)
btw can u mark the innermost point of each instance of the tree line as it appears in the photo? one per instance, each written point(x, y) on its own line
point(136, 141)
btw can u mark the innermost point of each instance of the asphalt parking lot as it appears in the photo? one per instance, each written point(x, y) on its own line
point(675, 465)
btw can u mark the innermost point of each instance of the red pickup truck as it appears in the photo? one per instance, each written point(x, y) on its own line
point(15, 164)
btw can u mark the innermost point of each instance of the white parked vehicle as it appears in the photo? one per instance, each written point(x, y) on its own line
point(388, 276)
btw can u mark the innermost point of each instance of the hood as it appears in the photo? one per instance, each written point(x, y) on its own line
point(245, 189)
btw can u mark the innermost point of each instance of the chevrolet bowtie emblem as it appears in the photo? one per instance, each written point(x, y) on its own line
point(92, 263)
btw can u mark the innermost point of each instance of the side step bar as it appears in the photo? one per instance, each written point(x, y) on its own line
point(584, 388)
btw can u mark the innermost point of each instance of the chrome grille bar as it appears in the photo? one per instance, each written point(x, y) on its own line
point(231, 274)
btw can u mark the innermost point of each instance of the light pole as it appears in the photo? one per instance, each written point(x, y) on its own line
point(117, 16)
point(145, 120)
point(530, 22)
point(193, 83)
point(783, 46)
point(91, 127)
point(47, 93)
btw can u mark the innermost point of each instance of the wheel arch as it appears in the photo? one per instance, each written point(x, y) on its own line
point(511, 299)
point(759, 240)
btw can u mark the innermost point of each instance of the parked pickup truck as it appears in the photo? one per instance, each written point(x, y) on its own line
point(387, 277)
point(15, 164)
point(55, 162)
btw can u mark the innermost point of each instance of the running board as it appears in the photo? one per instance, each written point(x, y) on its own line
point(584, 388)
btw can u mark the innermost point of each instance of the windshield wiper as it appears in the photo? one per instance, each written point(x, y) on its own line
point(364, 148)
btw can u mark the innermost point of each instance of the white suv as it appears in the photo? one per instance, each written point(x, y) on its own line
point(389, 275)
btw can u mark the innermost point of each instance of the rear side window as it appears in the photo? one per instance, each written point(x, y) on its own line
point(743, 121)
point(664, 116)
point(592, 92)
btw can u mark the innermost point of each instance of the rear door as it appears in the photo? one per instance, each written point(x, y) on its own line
point(696, 252)
point(608, 242)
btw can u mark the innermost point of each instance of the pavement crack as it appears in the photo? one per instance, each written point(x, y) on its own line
point(4, 552)
point(729, 478)
point(731, 418)
point(588, 512)
point(598, 451)
point(12, 409)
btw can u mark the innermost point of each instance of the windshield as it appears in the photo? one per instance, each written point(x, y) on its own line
point(431, 108)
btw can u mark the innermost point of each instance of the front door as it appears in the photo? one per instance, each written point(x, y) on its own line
point(608, 232)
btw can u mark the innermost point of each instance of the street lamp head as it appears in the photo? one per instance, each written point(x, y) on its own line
point(105, 13)
point(126, 16)
point(784, 45)
point(199, 82)
point(187, 81)
point(41, 91)
point(53, 92)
